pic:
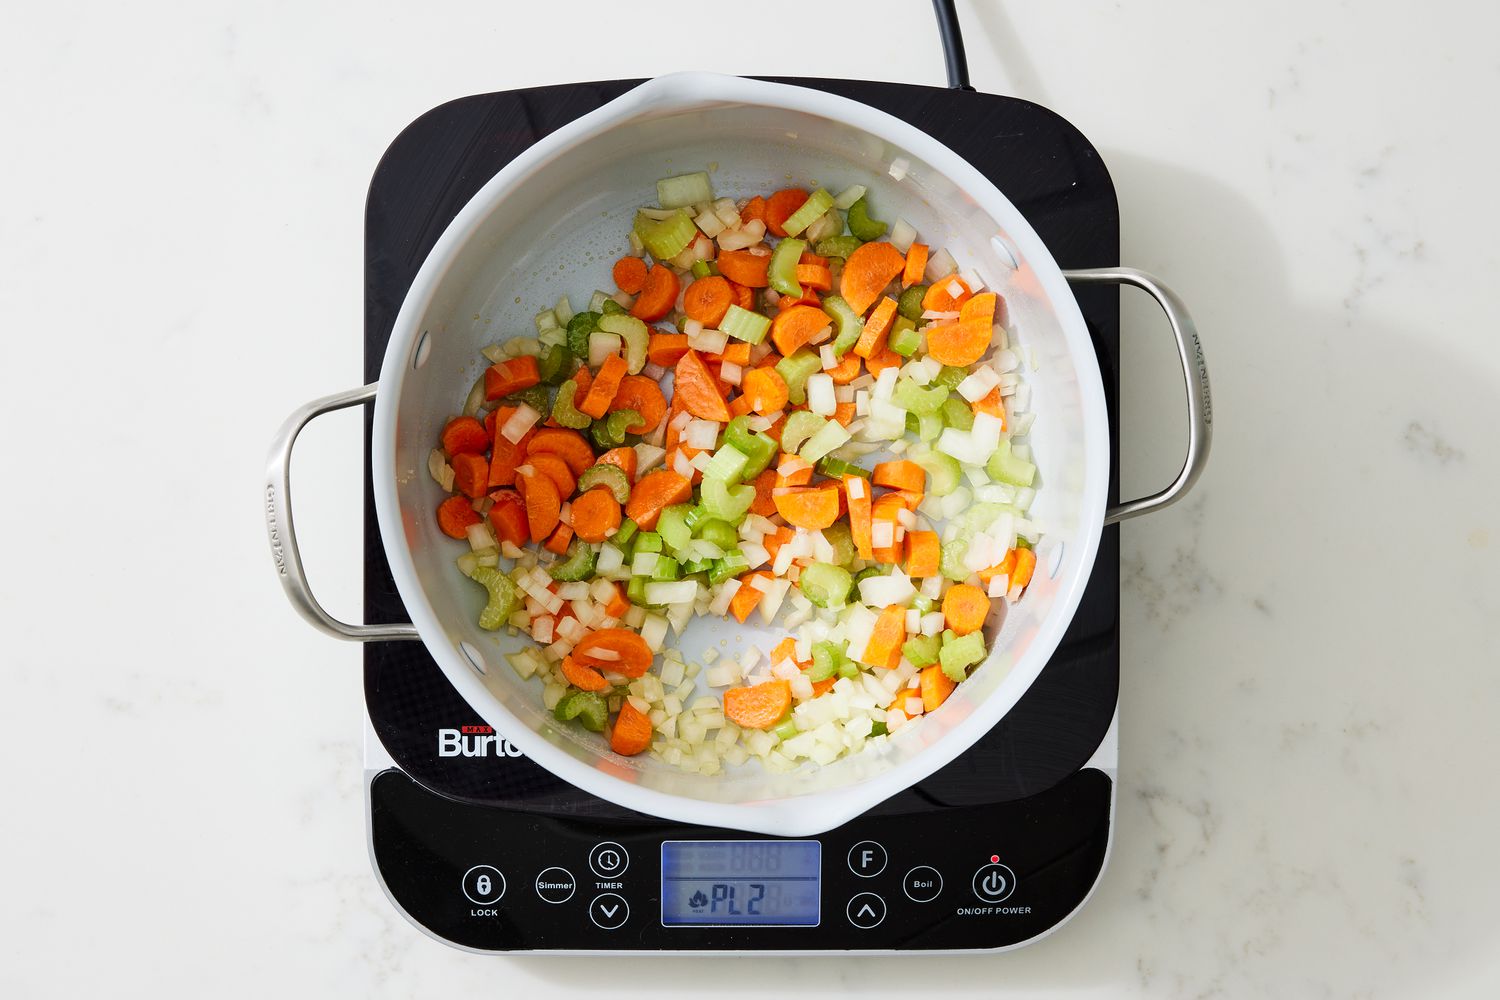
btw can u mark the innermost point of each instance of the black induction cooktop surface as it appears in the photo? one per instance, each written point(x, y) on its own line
point(1055, 178)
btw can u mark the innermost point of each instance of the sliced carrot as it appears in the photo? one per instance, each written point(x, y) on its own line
point(788, 301)
point(455, 515)
point(815, 507)
point(736, 352)
point(884, 647)
point(746, 268)
point(815, 276)
point(873, 338)
point(510, 376)
point(900, 475)
point(820, 688)
point(629, 274)
point(801, 477)
point(754, 210)
point(910, 499)
point(866, 273)
point(978, 313)
point(786, 649)
point(846, 371)
point(774, 541)
point(765, 388)
point(780, 206)
point(958, 344)
point(965, 608)
point(596, 515)
point(758, 707)
point(1006, 566)
point(923, 554)
point(654, 493)
point(543, 504)
point(567, 443)
point(553, 467)
point(993, 404)
point(632, 731)
point(695, 385)
point(940, 297)
point(658, 294)
point(630, 654)
point(844, 413)
point(708, 299)
point(885, 509)
point(741, 405)
point(560, 540)
point(583, 677)
point(508, 517)
point(808, 257)
point(664, 349)
point(916, 265)
point(885, 359)
point(624, 459)
point(618, 605)
point(764, 503)
point(471, 474)
point(504, 455)
point(748, 596)
point(644, 396)
point(606, 384)
point(465, 434)
point(1025, 567)
point(936, 686)
point(799, 325)
point(860, 502)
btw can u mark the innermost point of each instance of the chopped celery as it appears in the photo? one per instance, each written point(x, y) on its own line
point(817, 203)
point(957, 413)
point(759, 449)
point(728, 464)
point(837, 468)
point(704, 268)
point(733, 564)
point(622, 536)
point(693, 566)
point(917, 399)
point(910, 303)
point(725, 502)
point(848, 668)
point(922, 650)
point(684, 190)
point(904, 338)
point(942, 472)
point(563, 410)
point(794, 370)
point(579, 327)
point(609, 307)
point(960, 530)
point(824, 440)
point(503, 597)
point(579, 565)
point(870, 571)
point(923, 604)
point(611, 477)
point(635, 591)
point(839, 537)
point(785, 730)
point(555, 364)
point(837, 246)
point(697, 516)
point(597, 300)
point(929, 426)
point(850, 325)
point(860, 223)
point(667, 238)
point(585, 706)
point(1022, 543)
point(720, 533)
point(646, 541)
point(959, 653)
point(1005, 467)
point(826, 658)
point(742, 324)
point(949, 377)
point(800, 426)
point(666, 569)
point(635, 335)
point(610, 431)
point(782, 272)
point(878, 729)
point(533, 396)
point(826, 585)
point(546, 320)
point(672, 526)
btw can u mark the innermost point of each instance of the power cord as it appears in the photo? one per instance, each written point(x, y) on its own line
point(953, 45)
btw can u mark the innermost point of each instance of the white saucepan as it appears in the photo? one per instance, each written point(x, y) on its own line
point(552, 221)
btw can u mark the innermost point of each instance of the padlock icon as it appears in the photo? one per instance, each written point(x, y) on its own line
point(482, 885)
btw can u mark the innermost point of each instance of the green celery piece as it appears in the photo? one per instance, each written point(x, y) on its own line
point(579, 327)
point(922, 650)
point(904, 338)
point(860, 223)
point(1005, 467)
point(668, 237)
point(785, 730)
point(848, 668)
point(878, 729)
point(704, 268)
point(800, 426)
point(943, 472)
point(742, 324)
point(1022, 543)
point(837, 246)
point(827, 438)
point(619, 423)
point(720, 533)
point(782, 271)
point(929, 426)
point(827, 657)
point(666, 569)
point(960, 653)
point(919, 400)
point(957, 413)
point(964, 527)
point(733, 564)
point(727, 464)
point(635, 591)
point(579, 565)
point(622, 536)
point(794, 370)
point(503, 597)
point(759, 449)
point(611, 477)
point(837, 468)
point(585, 706)
point(609, 307)
point(647, 541)
point(910, 303)
point(850, 326)
point(672, 526)
point(826, 585)
point(842, 540)
point(634, 333)
point(555, 364)
point(818, 203)
point(534, 396)
point(694, 566)
point(870, 571)
point(949, 377)
point(923, 603)
point(684, 190)
point(725, 502)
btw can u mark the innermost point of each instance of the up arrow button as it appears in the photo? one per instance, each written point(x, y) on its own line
point(866, 910)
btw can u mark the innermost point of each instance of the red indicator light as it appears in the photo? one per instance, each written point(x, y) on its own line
point(994, 859)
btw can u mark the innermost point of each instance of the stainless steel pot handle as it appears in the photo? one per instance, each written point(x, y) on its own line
point(1194, 372)
point(284, 536)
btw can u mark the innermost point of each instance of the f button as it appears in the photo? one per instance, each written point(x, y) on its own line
point(867, 859)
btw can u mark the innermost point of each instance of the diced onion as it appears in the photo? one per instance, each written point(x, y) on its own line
point(520, 423)
point(903, 235)
point(820, 397)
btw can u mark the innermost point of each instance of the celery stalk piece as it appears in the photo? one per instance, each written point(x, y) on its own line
point(782, 271)
point(725, 502)
point(828, 437)
point(826, 585)
point(684, 190)
point(910, 303)
point(959, 653)
point(720, 533)
point(1005, 467)
point(850, 326)
point(759, 449)
point(837, 246)
point(861, 225)
point(672, 526)
point(579, 565)
point(957, 413)
point(667, 238)
point(564, 411)
point(579, 327)
point(636, 337)
point(611, 477)
point(904, 338)
point(800, 426)
point(943, 472)
point(503, 597)
point(794, 370)
point(917, 399)
point(585, 706)
point(816, 204)
point(922, 650)
point(727, 464)
point(742, 324)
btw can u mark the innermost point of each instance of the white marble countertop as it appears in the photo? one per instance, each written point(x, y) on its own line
point(1307, 802)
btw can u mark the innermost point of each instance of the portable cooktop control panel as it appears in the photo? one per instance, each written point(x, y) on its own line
point(943, 878)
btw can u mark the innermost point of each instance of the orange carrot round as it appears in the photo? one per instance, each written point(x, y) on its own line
point(595, 515)
point(885, 359)
point(758, 707)
point(766, 390)
point(567, 443)
point(708, 299)
point(582, 677)
point(471, 474)
point(644, 396)
point(780, 206)
point(508, 517)
point(936, 686)
point(866, 273)
point(794, 327)
point(632, 731)
point(655, 492)
point(698, 390)
point(543, 505)
point(511, 376)
point(916, 265)
point(764, 503)
point(754, 210)
point(455, 515)
point(940, 298)
point(958, 344)
point(847, 370)
point(900, 475)
point(744, 296)
point(665, 348)
point(746, 268)
point(606, 384)
point(965, 608)
point(632, 655)
point(553, 467)
point(658, 294)
point(465, 434)
point(630, 274)
point(811, 508)
point(884, 647)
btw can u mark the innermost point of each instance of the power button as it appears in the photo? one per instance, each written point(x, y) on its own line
point(994, 883)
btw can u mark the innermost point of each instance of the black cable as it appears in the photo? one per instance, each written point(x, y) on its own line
point(953, 45)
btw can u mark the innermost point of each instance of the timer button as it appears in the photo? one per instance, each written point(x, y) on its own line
point(994, 883)
point(922, 884)
point(609, 860)
point(609, 911)
point(483, 884)
point(867, 859)
point(866, 910)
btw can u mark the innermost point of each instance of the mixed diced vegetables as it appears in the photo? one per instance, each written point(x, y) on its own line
point(692, 444)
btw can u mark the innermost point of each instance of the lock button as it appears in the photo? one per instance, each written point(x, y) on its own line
point(483, 884)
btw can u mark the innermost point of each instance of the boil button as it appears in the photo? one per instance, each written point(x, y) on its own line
point(923, 884)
